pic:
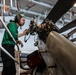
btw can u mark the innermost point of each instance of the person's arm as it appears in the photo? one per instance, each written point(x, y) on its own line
point(23, 33)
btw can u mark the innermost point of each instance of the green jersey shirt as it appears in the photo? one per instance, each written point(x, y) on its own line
point(13, 28)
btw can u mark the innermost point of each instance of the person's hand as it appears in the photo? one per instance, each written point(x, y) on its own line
point(20, 43)
point(26, 32)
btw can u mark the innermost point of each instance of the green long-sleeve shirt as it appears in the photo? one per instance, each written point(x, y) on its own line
point(13, 28)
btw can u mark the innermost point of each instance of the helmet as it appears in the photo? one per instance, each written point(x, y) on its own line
point(18, 17)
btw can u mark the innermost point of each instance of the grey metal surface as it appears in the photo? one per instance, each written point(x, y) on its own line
point(63, 52)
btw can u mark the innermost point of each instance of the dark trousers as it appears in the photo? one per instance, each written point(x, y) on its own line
point(8, 63)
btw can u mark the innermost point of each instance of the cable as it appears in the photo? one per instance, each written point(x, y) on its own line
point(27, 38)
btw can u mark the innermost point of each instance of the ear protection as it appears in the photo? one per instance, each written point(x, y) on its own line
point(18, 17)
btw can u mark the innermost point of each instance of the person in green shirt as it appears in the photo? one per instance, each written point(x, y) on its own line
point(8, 44)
